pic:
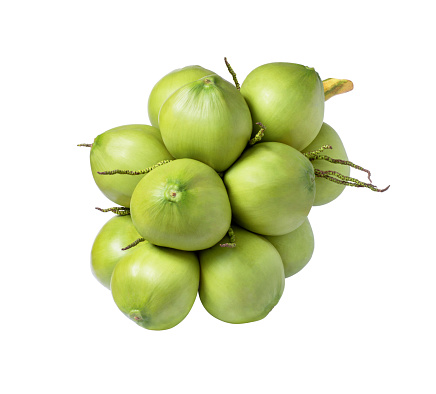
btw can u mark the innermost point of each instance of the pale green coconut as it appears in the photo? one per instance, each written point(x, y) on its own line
point(244, 283)
point(168, 85)
point(295, 248)
point(154, 286)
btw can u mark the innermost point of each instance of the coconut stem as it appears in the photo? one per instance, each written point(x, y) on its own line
point(259, 134)
point(346, 180)
point(121, 211)
point(235, 80)
point(337, 177)
point(317, 152)
point(139, 240)
point(232, 242)
point(333, 87)
point(315, 155)
point(87, 145)
point(128, 172)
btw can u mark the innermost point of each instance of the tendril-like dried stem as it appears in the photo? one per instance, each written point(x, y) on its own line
point(344, 162)
point(259, 134)
point(140, 172)
point(319, 173)
point(232, 242)
point(315, 155)
point(87, 145)
point(139, 240)
point(339, 178)
point(235, 80)
point(121, 211)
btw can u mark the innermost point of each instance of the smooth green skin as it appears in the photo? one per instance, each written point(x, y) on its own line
point(207, 120)
point(156, 287)
point(182, 205)
point(168, 85)
point(288, 99)
point(131, 147)
point(106, 251)
point(244, 283)
point(327, 191)
point(271, 188)
point(295, 248)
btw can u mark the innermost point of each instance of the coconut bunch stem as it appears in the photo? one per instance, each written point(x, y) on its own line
point(334, 86)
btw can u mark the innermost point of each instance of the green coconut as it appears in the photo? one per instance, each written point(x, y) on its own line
point(206, 120)
point(131, 147)
point(156, 287)
point(169, 84)
point(244, 283)
point(271, 188)
point(106, 252)
point(288, 99)
point(182, 204)
point(295, 248)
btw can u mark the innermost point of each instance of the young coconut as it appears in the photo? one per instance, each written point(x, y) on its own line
point(107, 251)
point(182, 204)
point(206, 120)
point(289, 99)
point(134, 147)
point(156, 287)
point(271, 188)
point(295, 248)
point(241, 284)
point(168, 85)
point(327, 191)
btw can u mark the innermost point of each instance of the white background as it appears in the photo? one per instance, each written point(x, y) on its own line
point(360, 318)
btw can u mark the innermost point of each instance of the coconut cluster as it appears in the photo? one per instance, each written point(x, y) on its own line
point(213, 196)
